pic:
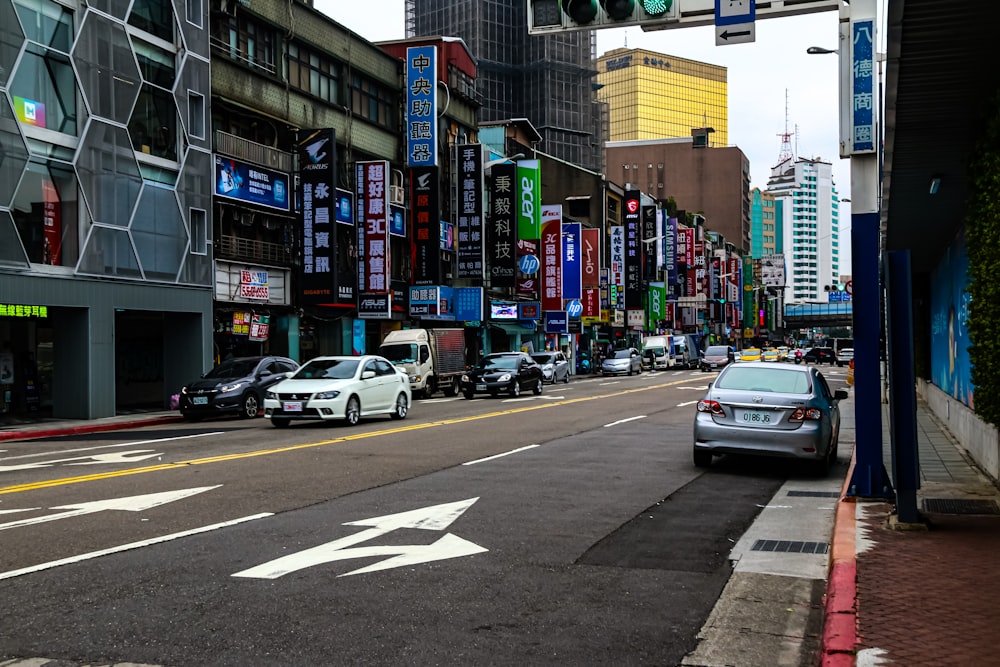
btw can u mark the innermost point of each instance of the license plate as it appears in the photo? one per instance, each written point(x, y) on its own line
point(715, 365)
point(757, 418)
point(480, 387)
point(292, 406)
point(199, 400)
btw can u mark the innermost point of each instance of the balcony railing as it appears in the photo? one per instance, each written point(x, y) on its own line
point(251, 151)
point(234, 247)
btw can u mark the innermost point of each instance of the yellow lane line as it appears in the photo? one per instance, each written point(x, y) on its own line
point(31, 486)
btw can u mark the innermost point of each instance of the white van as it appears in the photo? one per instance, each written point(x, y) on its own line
point(657, 354)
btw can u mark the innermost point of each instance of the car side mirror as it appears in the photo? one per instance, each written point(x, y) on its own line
point(840, 395)
point(367, 375)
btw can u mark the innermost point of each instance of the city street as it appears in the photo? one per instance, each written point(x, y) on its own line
point(567, 528)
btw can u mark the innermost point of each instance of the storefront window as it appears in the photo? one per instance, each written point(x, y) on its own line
point(45, 213)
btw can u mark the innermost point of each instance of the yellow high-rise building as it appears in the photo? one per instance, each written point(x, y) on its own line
point(655, 96)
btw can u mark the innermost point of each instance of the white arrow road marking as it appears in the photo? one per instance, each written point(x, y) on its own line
point(129, 504)
point(496, 456)
point(622, 421)
point(27, 509)
point(95, 459)
point(436, 517)
point(36, 455)
point(684, 405)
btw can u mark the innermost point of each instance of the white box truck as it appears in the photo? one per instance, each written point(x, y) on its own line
point(657, 353)
point(433, 358)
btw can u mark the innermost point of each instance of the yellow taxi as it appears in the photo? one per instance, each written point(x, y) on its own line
point(783, 353)
point(750, 354)
point(770, 354)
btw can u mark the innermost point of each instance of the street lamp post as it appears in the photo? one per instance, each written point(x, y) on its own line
point(857, 19)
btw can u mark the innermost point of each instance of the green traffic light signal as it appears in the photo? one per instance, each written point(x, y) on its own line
point(618, 10)
point(581, 11)
point(656, 7)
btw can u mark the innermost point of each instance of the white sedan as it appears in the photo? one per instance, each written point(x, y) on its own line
point(340, 387)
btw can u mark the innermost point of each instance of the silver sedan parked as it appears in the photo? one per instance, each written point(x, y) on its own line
point(778, 410)
point(622, 362)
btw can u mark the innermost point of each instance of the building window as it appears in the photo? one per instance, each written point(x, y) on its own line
point(246, 42)
point(372, 102)
point(199, 231)
point(194, 10)
point(313, 73)
point(196, 114)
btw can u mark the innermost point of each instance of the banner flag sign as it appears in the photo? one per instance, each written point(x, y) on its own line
point(551, 257)
point(572, 262)
point(633, 259)
point(317, 168)
point(501, 239)
point(373, 184)
point(421, 106)
point(426, 224)
point(469, 161)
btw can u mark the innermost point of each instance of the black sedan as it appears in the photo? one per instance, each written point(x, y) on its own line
point(236, 386)
point(510, 372)
point(821, 355)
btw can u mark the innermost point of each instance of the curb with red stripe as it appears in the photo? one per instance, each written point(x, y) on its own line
point(840, 628)
point(86, 428)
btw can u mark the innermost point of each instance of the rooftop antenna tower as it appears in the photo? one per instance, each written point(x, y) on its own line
point(786, 137)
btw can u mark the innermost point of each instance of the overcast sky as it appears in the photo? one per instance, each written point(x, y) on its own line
point(773, 83)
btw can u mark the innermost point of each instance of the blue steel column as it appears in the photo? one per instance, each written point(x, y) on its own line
point(903, 402)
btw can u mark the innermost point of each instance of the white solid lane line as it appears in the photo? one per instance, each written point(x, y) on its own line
point(120, 444)
point(622, 421)
point(684, 405)
point(496, 456)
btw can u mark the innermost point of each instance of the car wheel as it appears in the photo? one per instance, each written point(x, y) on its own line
point(566, 378)
point(515, 388)
point(249, 406)
point(401, 407)
point(468, 395)
point(280, 422)
point(702, 459)
point(451, 389)
point(538, 388)
point(353, 413)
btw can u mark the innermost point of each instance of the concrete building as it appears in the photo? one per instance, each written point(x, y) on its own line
point(714, 182)
point(549, 80)
point(810, 227)
point(657, 96)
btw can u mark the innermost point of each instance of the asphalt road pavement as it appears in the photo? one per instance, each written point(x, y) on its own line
point(569, 528)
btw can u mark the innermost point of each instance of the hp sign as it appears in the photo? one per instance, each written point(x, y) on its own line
point(574, 309)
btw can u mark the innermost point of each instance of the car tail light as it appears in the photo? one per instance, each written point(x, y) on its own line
point(802, 414)
point(711, 406)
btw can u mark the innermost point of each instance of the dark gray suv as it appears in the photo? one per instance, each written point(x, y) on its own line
point(236, 386)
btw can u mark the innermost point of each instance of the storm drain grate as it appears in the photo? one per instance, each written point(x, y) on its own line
point(815, 494)
point(955, 506)
point(789, 546)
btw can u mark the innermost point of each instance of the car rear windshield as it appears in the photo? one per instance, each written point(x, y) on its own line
point(763, 378)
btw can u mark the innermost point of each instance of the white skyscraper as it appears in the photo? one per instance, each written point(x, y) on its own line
point(810, 227)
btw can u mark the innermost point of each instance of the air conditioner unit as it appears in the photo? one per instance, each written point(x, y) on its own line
point(396, 195)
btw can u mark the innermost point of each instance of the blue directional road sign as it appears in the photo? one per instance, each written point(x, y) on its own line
point(735, 21)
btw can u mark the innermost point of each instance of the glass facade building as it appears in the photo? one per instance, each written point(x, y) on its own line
point(655, 96)
point(550, 80)
point(103, 201)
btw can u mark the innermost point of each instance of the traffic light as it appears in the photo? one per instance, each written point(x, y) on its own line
point(547, 16)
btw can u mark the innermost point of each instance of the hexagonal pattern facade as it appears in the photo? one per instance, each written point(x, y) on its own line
point(120, 190)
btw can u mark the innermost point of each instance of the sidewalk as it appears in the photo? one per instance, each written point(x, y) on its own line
point(918, 595)
point(50, 427)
